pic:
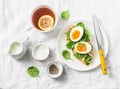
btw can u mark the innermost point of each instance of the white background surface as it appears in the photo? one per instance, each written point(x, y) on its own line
point(14, 24)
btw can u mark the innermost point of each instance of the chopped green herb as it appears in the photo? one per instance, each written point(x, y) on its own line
point(33, 71)
point(80, 44)
point(70, 45)
point(65, 15)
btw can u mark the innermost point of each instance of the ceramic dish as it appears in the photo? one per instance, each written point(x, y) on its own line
point(40, 51)
point(17, 49)
point(58, 65)
point(76, 64)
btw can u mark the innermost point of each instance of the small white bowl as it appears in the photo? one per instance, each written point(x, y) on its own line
point(58, 65)
point(20, 53)
point(40, 51)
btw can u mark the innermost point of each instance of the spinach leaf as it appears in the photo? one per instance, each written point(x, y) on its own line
point(87, 33)
point(70, 45)
point(86, 36)
point(33, 71)
point(81, 24)
point(88, 59)
point(68, 35)
point(66, 54)
point(79, 56)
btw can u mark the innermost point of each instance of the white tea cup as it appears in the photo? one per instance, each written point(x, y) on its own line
point(41, 11)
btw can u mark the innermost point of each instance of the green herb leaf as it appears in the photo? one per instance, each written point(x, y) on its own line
point(81, 24)
point(87, 33)
point(88, 59)
point(68, 35)
point(80, 44)
point(86, 36)
point(65, 15)
point(33, 71)
point(66, 54)
point(79, 56)
point(70, 45)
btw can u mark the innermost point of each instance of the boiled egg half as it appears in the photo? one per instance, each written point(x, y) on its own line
point(76, 34)
point(83, 47)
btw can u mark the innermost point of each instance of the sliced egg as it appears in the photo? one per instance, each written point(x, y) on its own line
point(76, 33)
point(83, 47)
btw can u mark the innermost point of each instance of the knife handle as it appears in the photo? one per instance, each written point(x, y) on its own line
point(103, 63)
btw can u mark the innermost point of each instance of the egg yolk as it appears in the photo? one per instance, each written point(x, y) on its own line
point(75, 34)
point(82, 48)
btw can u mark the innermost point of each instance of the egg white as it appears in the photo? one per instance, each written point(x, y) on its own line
point(78, 28)
point(88, 46)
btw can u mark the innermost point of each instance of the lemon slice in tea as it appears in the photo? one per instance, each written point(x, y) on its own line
point(45, 22)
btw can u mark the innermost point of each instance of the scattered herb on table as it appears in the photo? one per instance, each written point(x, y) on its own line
point(33, 71)
point(65, 15)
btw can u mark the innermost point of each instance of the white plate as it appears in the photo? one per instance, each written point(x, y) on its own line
point(77, 65)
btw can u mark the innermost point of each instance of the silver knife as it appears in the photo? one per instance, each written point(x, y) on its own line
point(99, 39)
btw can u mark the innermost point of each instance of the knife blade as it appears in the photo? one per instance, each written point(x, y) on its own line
point(99, 39)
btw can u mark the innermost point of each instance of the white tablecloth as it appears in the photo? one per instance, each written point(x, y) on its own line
point(14, 23)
